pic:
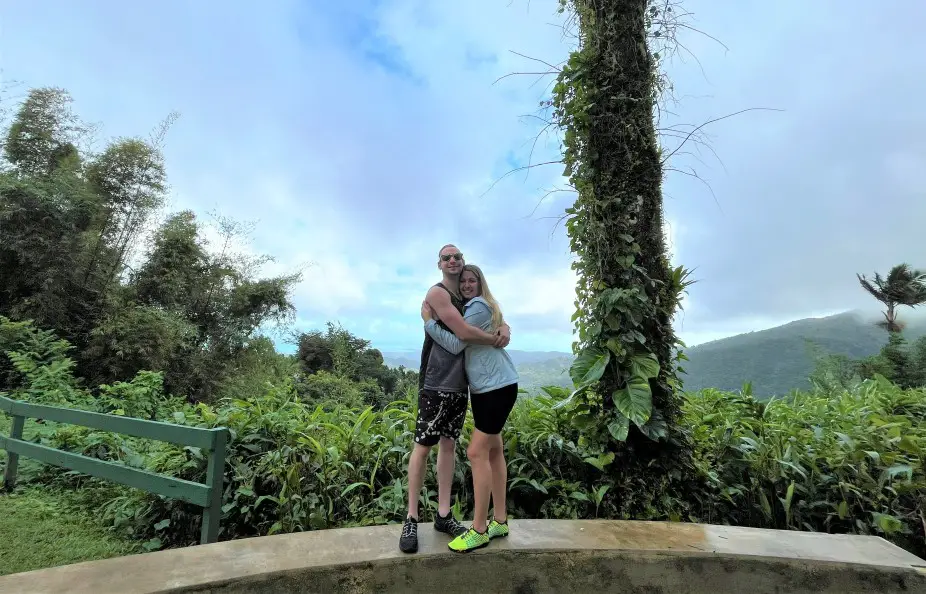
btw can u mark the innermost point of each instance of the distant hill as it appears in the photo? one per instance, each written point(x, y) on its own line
point(536, 368)
point(775, 361)
point(780, 359)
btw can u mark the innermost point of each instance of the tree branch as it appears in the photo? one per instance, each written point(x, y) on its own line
point(709, 122)
point(541, 74)
point(515, 170)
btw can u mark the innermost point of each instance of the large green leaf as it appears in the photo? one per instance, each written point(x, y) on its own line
point(570, 398)
point(887, 523)
point(619, 427)
point(645, 366)
point(601, 460)
point(656, 427)
point(589, 366)
point(635, 401)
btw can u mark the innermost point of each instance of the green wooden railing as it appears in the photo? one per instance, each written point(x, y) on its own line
point(207, 496)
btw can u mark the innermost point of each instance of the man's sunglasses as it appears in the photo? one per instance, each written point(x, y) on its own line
point(446, 257)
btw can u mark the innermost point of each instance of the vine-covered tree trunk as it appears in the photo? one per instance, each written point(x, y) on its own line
point(627, 294)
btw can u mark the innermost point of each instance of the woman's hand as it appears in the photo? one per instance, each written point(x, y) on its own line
point(426, 313)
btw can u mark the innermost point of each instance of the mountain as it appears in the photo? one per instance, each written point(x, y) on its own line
point(774, 361)
point(780, 359)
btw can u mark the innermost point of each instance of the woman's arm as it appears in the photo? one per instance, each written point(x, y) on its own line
point(446, 339)
point(476, 315)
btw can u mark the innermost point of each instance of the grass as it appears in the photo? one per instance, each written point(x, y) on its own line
point(43, 529)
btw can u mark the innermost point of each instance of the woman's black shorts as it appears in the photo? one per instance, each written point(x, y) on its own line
point(491, 409)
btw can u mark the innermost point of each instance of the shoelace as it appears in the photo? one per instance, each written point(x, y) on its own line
point(409, 529)
point(455, 525)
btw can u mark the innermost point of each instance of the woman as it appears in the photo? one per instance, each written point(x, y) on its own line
point(493, 382)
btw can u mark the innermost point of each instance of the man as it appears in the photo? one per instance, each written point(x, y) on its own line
point(442, 399)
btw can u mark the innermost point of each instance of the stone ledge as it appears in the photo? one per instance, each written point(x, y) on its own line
point(664, 555)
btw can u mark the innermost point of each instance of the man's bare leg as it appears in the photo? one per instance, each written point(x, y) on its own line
point(446, 461)
point(417, 464)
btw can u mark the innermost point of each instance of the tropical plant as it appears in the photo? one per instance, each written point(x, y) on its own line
point(841, 460)
point(902, 286)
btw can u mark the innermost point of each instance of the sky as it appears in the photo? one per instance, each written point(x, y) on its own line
point(361, 136)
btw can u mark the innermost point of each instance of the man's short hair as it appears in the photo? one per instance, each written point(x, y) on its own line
point(443, 248)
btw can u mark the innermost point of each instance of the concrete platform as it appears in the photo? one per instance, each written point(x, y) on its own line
point(539, 556)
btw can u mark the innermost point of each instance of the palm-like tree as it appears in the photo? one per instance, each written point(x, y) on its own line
point(902, 286)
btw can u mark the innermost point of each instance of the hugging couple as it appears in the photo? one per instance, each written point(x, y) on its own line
point(463, 358)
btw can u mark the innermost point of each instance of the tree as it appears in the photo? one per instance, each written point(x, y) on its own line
point(337, 353)
point(43, 134)
point(605, 99)
point(217, 293)
point(902, 286)
point(130, 179)
point(68, 224)
point(46, 209)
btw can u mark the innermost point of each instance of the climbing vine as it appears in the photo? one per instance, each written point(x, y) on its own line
point(627, 389)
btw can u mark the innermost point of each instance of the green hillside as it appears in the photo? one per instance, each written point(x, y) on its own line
point(780, 359)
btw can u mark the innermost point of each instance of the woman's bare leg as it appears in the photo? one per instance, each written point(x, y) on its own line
point(478, 452)
point(499, 478)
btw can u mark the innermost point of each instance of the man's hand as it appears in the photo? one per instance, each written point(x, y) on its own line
point(503, 336)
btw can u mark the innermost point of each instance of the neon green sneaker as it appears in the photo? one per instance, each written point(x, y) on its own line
point(497, 529)
point(469, 541)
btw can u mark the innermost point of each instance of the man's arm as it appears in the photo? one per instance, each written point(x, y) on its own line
point(439, 300)
point(476, 315)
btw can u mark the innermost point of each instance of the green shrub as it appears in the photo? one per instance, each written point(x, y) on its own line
point(848, 461)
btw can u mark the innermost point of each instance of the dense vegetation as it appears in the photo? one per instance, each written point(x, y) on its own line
point(834, 459)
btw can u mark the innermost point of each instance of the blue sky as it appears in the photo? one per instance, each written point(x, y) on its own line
point(362, 136)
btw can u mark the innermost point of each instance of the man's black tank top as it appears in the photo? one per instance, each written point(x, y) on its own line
point(442, 371)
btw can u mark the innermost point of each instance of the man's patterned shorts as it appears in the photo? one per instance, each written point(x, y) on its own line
point(440, 414)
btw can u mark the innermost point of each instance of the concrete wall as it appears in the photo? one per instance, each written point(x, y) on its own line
point(540, 556)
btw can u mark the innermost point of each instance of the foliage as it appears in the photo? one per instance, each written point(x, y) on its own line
point(36, 366)
point(216, 294)
point(625, 370)
point(43, 134)
point(341, 367)
point(899, 362)
point(845, 461)
point(902, 286)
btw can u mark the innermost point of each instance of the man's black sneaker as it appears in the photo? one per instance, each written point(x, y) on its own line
point(408, 541)
point(449, 525)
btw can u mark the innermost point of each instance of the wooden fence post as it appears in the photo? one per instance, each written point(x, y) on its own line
point(12, 460)
point(215, 475)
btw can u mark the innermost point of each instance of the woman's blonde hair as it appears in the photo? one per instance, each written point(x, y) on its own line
point(486, 294)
